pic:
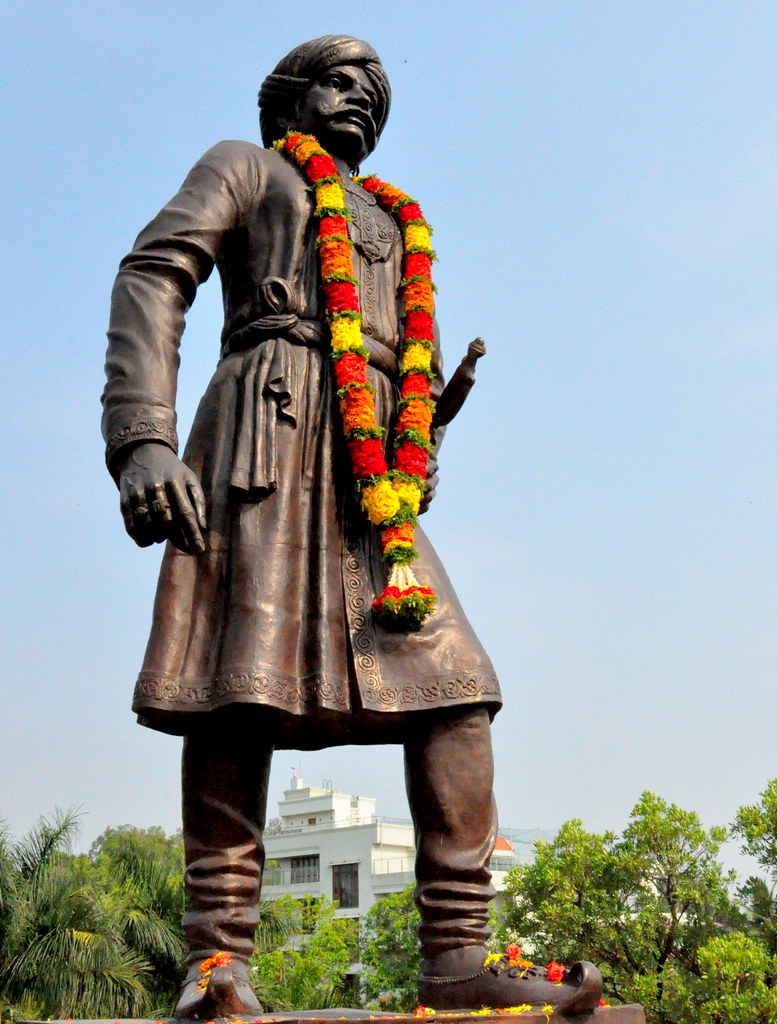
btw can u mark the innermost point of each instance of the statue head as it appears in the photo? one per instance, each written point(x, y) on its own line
point(334, 88)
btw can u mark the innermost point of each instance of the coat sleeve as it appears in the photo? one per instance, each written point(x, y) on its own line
point(155, 287)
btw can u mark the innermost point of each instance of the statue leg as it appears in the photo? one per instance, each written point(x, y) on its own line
point(449, 770)
point(224, 804)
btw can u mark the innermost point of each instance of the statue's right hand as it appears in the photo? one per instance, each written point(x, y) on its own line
point(161, 499)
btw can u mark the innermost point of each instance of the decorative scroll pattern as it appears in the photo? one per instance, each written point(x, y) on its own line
point(142, 430)
point(295, 696)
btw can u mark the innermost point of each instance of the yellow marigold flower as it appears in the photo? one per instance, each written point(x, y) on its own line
point(346, 334)
point(492, 958)
point(330, 193)
point(411, 495)
point(419, 293)
point(416, 357)
point(304, 150)
point(417, 235)
point(380, 502)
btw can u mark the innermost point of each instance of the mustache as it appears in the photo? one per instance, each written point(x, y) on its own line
point(364, 117)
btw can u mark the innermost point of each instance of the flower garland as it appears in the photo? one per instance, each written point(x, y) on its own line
point(219, 959)
point(390, 497)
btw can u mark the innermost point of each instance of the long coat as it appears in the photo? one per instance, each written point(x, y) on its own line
point(275, 614)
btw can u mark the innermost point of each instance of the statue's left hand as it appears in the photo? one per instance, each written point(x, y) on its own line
point(432, 479)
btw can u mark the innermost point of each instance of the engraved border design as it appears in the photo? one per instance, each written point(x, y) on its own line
point(297, 696)
point(142, 430)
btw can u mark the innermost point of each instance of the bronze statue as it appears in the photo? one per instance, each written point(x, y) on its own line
point(262, 634)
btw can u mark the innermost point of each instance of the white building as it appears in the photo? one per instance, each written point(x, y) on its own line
point(331, 844)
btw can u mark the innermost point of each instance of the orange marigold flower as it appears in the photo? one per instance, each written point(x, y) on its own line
point(397, 535)
point(358, 400)
point(306, 149)
point(418, 293)
point(335, 258)
point(416, 415)
point(389, 195)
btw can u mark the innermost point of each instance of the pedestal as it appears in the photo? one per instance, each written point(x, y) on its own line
point(632, 1014)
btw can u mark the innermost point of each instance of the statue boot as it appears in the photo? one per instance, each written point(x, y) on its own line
point(225, 992)
point(224, 806)
point(449, 773)
point(464, 980)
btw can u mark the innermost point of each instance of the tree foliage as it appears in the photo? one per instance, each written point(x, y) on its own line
point(642, 906)
point(311, 968)
point(391, 960)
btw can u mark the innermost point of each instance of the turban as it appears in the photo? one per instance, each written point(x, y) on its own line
point(285, 87)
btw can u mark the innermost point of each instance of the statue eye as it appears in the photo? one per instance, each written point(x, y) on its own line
point(337, 80)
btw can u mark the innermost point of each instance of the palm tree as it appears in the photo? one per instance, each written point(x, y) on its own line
point(62, 951)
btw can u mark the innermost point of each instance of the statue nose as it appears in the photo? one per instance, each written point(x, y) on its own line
point(358, 96)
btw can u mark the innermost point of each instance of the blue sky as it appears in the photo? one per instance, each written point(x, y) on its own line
point(602, 178)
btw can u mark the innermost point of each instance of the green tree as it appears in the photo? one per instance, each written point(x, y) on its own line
point(640, 906)
point(311, 968)
point(756, 826)
point(61, 949)
point(390, 955)
point(734, 987)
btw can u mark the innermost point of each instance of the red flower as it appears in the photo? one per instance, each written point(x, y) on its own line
point(603, 1002)
point(350, 369)
point(410, 458)
point(418, 324)
point(556, 971)
point(415, 384)
point(367, 457)
point(320, 166)
point(418, 263)
point(371, 184)
point(513, 951)
point(409, 212)
point(292, 141)
point(340, 296)
point(332, 226)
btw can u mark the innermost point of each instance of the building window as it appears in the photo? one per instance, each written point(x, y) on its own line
point(304, 869)
point(311, 821)
point(345, 885)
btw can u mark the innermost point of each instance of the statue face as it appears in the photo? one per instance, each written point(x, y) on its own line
point(338, 109)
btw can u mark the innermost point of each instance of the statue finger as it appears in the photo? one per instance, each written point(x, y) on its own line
point(158, 505)
point(185, 518)
point(197, 499)
point(134, 509)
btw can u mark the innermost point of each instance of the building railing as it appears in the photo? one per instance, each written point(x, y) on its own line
point(288, 877)
point(292, 830)
point(393, 865)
